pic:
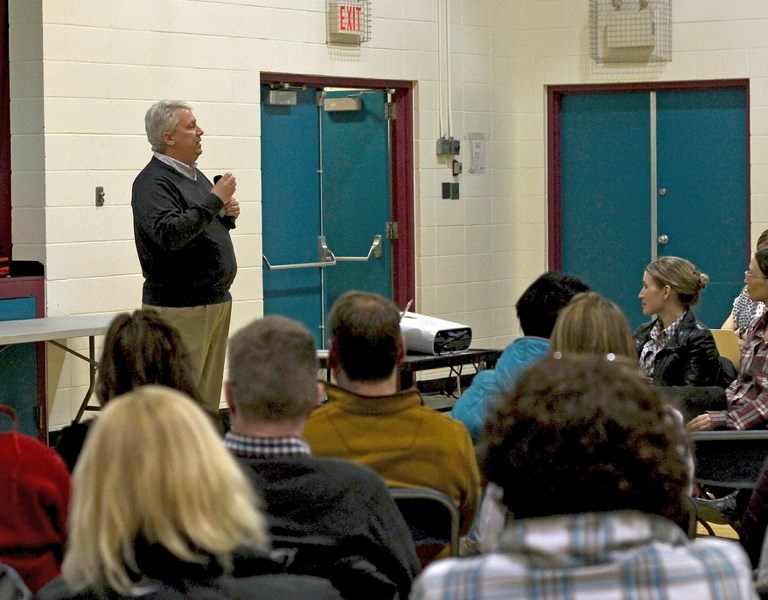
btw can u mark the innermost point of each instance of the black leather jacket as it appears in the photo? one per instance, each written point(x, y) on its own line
point(690, 357)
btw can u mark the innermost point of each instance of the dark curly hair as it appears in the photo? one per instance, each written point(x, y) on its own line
point(142, 348)
point(581, 433)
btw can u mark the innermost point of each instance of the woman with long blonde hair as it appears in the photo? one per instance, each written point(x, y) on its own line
point(160, 509)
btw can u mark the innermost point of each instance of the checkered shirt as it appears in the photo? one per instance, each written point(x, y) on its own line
point(248, 446)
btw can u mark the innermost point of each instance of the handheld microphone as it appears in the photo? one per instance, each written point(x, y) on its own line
point(215, 181)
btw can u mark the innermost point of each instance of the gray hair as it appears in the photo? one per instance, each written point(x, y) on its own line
point(273, 369)
point(161, 117)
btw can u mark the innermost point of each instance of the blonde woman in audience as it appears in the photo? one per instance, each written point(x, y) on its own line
point(159, 507)
point(674, 348)
point(592, 324)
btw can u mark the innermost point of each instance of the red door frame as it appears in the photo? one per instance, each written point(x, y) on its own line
point(5, 137)
point(555, 95)
point(401, 131)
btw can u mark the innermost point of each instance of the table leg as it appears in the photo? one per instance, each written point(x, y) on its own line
point(92, 368)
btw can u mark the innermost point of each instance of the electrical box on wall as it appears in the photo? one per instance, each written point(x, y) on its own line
point(450, 191)
point(447, 146)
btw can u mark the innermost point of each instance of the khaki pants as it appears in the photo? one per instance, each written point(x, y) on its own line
point(204, 330)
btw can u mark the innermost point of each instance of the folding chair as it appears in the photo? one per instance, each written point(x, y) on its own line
point(431, 516)
point(728, 345)
point(728, 459)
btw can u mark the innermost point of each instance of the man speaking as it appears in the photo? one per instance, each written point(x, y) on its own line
point(181, 223)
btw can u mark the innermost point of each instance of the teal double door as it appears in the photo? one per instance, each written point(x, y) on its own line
point(644, 174)
point(326, 201)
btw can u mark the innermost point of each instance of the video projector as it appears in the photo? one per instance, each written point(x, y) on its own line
point(432, 335)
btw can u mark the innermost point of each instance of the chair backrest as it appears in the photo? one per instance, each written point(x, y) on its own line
point(727, 343)
point(431, 516)
point(730, 459)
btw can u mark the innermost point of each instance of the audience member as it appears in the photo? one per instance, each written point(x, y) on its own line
point(745, 402)
point(745, 310)
point(592, 324)
point(589, 324)
point(139, 348)
point(537, 309)
point(674, 348)
point(343, 508)
point(159, 508)
point(34, 498)
point(586, 459)
point(367, 420)
point(744, 405)
point(751, 526)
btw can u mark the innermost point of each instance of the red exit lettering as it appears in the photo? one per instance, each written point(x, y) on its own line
point(349, 18)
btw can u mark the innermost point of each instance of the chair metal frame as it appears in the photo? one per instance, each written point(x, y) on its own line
point(728, 459)
point(434, 497)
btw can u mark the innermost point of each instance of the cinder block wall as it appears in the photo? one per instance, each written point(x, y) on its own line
point(83, 73)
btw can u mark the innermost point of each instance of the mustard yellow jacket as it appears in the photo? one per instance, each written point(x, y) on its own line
point(407, 443)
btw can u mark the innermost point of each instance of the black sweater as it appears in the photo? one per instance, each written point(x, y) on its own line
point(184, 246)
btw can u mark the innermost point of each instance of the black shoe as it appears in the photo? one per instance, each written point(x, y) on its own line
point(720, 511)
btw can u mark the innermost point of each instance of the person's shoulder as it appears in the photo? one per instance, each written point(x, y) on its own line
point(436, 581)
point(58, 589)
point(710, 546)
point(327, 408)
point(527, 344)
point(154, 170)
point(644, 328)
point(283, 586)
point(522, 352)
point(349, 474)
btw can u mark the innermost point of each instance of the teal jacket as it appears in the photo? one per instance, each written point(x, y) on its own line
point(472, 405)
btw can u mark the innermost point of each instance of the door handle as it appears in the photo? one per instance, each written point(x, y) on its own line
point(663, 239)
point(374, 250)
point(326, 258)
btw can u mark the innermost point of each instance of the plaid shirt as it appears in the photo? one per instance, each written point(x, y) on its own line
point(658, 339)
point(748, 394)
point(611, 556)
point(183, 168)
point(745, 311)
point(260, 447)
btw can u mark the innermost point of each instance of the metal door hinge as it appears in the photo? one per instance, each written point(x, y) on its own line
point(391, 230)
point(390, 111)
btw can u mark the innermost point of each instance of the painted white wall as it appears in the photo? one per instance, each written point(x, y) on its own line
point(83, 72)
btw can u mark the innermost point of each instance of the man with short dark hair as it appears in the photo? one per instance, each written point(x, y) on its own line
point(369, 421)
point(587, 458)
point(331, 503)
point(537, 310)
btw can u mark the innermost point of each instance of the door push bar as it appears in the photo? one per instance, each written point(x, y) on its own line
point(326, 258)
point(374, 250)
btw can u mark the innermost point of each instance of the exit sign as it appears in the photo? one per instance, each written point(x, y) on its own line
point(349, 22)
